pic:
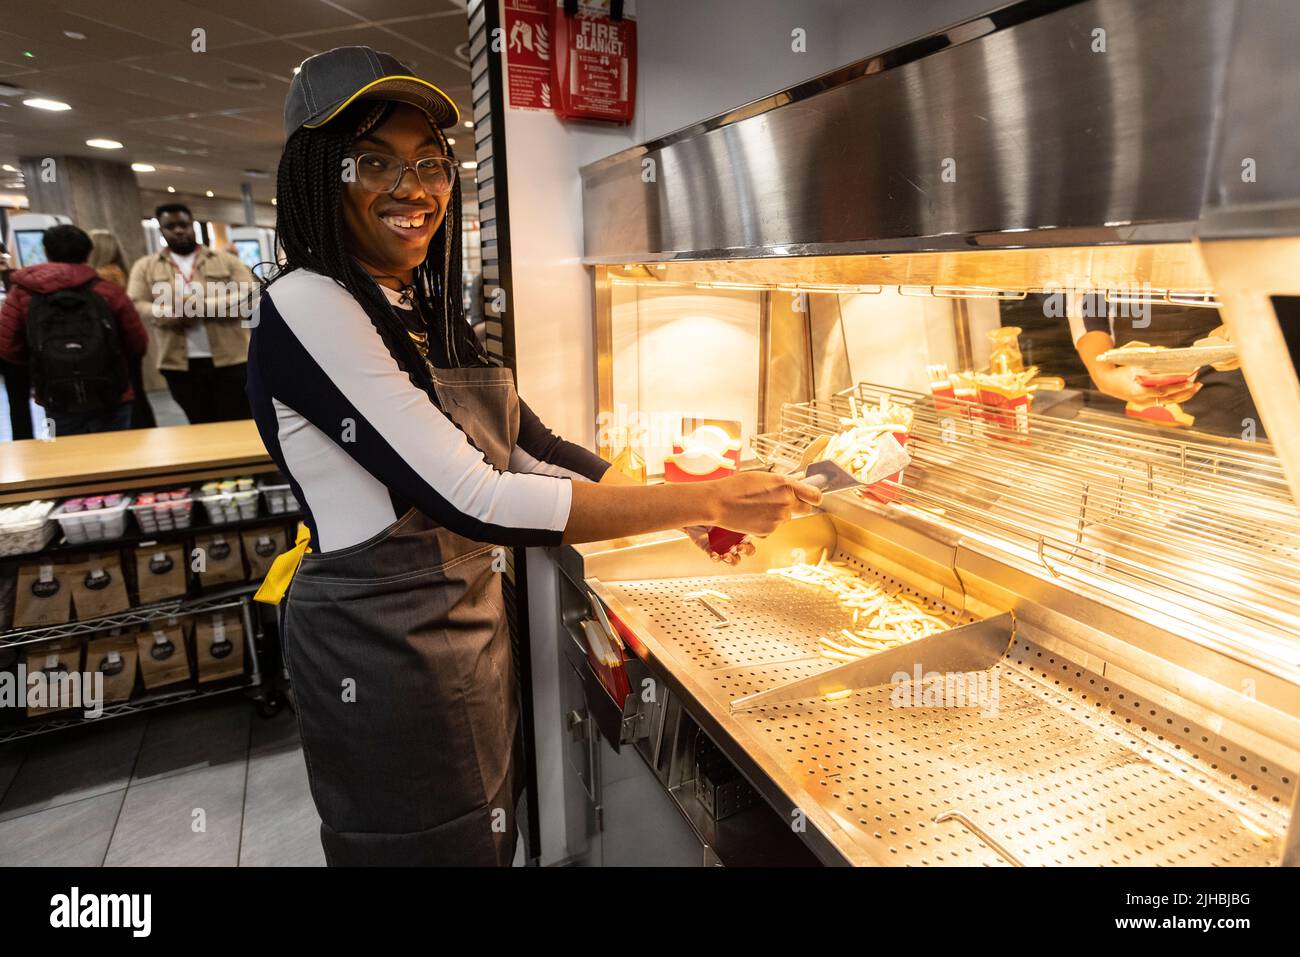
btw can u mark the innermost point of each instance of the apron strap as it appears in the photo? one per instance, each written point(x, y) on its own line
point(283, 569)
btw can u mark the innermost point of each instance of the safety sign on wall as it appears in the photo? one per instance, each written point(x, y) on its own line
point(576, 58)
point(527, 42)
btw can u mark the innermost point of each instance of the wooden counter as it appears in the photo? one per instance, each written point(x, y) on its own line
point(112, 461)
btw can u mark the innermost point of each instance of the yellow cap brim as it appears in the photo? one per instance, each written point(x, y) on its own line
point(441, 109)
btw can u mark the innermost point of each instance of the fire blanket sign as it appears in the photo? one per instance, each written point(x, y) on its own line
point(528, 54)
point(594, 61)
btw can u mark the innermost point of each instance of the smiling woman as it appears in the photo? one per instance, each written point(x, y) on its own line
point(415, 461)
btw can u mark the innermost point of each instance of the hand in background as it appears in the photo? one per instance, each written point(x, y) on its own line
point(1122, 382)
point(1219, 336)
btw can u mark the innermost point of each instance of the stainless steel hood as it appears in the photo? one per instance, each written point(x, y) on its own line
point(1015, 129)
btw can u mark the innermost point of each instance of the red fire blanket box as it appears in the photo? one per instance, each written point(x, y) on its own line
point(593, 61)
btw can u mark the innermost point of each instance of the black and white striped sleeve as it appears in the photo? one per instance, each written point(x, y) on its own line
point(351, 430)
point(541, 451)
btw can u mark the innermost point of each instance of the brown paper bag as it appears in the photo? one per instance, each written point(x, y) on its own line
point(54, 658)
point(221, 560)
point(98, 587)
point(261, 545)
point(43, 596)
point(159, 571)
point(219, 645)
point(164, 657)
point(116, 655)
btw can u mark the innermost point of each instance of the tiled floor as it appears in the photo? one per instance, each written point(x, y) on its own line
point(206, 783)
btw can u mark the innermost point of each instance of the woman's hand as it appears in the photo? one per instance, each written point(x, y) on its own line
point(699, 534)
point(757, 503)
point(753, 503)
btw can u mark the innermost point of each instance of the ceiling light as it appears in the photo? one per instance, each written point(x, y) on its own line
point(272, 200)
point(9, 169)
point(469, 124)
point(103, 144)
point(469, 164)
point(41, 103)
point(171, 189)
point(143, 167)
point(209, 194)
point(74, 35)
point(451, 141)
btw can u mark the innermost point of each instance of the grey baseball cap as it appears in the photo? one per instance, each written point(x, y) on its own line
point(329, 81)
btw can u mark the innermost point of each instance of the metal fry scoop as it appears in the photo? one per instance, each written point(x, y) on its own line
point(829, 477)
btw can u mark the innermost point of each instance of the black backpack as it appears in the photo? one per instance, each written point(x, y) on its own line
point(76, 354)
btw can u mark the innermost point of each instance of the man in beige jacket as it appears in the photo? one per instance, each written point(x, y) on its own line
point(201, 301)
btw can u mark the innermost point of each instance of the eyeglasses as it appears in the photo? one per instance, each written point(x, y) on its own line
point(381, 173)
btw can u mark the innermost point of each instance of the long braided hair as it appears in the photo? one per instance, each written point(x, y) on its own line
point(309, 227)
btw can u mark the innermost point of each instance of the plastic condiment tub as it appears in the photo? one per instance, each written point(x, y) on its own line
point(229, 506)
point(95, 524)
point(163, 511)
point(279, 498)
point(28, 534)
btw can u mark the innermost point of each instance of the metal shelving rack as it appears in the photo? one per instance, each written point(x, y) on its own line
point(219, 599)
point(235, 597)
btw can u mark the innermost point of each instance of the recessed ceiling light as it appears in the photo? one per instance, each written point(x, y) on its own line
point(469, 124)
point(451, 141)
point(209, 194)
point(143, 167)
point(41, 103)
point(103, 144)
point(14, 185)
point(74, 35)
point(272, 200)
point(9, 169)
point(171, 189)
point(469, 164)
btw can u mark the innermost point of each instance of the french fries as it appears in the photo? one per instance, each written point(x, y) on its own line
point(882, 618)
point(857, 447)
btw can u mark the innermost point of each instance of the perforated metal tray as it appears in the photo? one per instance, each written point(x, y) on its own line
point(1067, 768)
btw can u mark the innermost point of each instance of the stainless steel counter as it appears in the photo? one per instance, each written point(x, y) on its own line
point(1065, 758)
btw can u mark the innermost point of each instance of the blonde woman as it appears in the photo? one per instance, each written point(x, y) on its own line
point(106, 257)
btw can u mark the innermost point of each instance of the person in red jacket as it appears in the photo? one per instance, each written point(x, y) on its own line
point(67, 248)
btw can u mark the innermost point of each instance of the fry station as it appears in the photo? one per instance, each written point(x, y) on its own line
point(1063, 632)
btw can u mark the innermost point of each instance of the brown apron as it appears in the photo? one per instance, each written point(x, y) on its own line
point(399, 658)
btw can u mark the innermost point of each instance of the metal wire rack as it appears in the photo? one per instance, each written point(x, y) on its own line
point(237, 597)
point(1190, 525)
point(135, 706)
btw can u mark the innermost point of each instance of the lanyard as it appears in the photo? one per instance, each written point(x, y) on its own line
point(194, 263)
